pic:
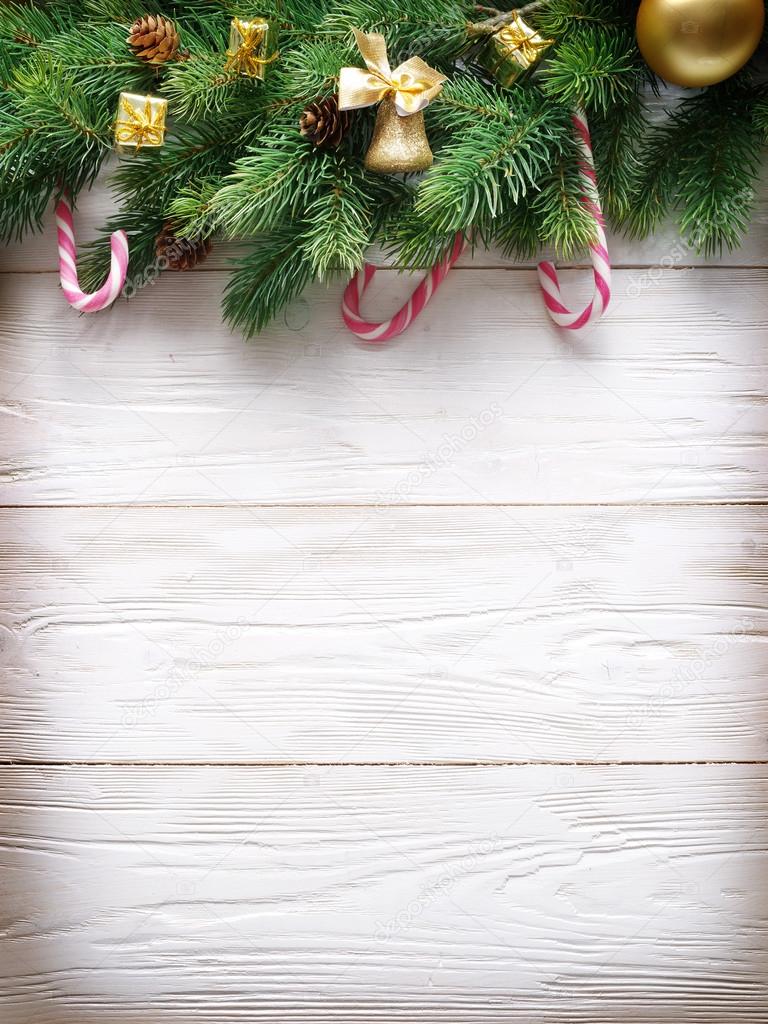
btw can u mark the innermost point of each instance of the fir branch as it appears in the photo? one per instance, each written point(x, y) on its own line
point(338, 231)
point(720, 153)
point(153, 178)
point(24, 204)
point(414, 244)
point(342, 215)
point(99, 58)
point(593, 67)
point(518, 232)
point(202, 86)
point(436, 29)
point(564, 221)
point(51, 135)
point(558, 19)
point(704, 159)
point(506, 166)
point(488, 159)
point(267, 186)
point(22, 28)
point(142, 227)
point(616, 140)
point(265, 280)
point(311, 69)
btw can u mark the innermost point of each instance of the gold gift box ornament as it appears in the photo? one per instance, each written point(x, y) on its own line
point(511, 50)
point(140, 121)
point(252, 47)
point(399, 144)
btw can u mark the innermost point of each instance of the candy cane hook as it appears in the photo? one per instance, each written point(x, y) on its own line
point(601, 266)
point(388, 329)
point(106, 295)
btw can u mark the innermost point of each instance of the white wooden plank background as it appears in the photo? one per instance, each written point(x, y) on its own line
point(381, 893)
point(351, 685)
point(411, 634)
point(156, 402)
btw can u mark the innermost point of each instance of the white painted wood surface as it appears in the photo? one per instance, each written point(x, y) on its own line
point(386, 893)
point(264, 608)
point(664, 401)
point(283, 635)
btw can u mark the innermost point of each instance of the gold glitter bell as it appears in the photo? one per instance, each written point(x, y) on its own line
point(399, 144)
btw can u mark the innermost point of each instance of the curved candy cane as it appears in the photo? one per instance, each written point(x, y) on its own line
point(548, 279)
point(601, 266)
point(106, 295)
point(387, 329)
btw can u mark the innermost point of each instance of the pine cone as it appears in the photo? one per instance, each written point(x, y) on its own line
point(180, 253)
point(324, 124)
point(154, 39)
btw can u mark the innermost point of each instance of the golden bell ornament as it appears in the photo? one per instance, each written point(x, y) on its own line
point(399, 144)
point(695, 43)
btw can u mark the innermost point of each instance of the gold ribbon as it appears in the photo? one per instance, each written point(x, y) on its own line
point(523, 42)
point(244, 60)
point(412, 84)
point(142, 128)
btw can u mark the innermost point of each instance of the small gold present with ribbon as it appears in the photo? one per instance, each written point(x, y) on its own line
point(399, 143)
point(140, 121)
point(511, 50)
point(252, 47)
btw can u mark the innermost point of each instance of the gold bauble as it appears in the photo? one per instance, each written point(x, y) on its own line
point(399, 144)
point(698, 42)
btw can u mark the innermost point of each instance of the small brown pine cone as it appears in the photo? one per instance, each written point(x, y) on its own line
point(324, 124)
point(180, 253)
point(154, 39)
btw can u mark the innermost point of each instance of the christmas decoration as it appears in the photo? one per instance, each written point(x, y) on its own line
point(550, 285)
point(601, 267)
point(233, 163)
point(140, 120)
point(106, 295)
point(154, 39)
point(323, 124)
point(386, 330)
point(399, 142)
point(252, 47)
point(696, 42)
point(180, 253)
point(512, 49)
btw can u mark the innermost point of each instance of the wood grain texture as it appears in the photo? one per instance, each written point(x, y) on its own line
point(478, 895)
point(483, 401)
point(443, 618)
point(281, 635)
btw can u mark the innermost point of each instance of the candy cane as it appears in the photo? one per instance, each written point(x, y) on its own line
point(106, 295)
point(387, 329)
point(601, 266)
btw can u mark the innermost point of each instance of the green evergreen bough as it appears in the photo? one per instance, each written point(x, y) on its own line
point(235, 165)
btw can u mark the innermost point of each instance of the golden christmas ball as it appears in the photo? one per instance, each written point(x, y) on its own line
point(698, 42)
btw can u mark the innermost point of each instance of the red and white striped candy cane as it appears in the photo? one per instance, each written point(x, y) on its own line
point(388, 329)
point(601, 266)
point(106, 295)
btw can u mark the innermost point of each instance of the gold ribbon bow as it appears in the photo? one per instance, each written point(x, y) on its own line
point(412, 85)
point(243, 60)
point(140, 127)
point(524, 43)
